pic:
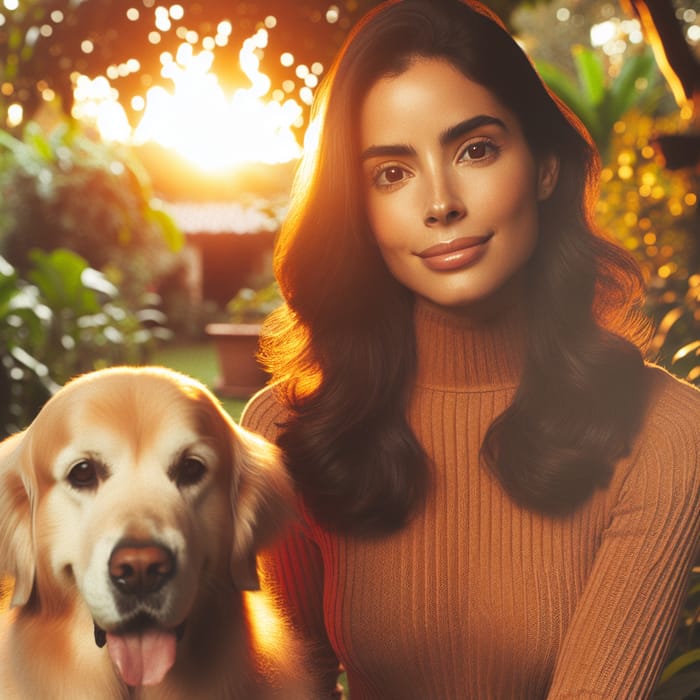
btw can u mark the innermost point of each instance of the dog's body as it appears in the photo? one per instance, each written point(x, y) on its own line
point(130, 513)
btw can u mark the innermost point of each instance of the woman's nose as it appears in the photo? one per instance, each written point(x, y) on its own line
point(445, 206)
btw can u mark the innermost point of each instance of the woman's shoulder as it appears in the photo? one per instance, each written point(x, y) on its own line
point(668, 445)
point(673, 400)
point(264, 413)
point(657, 486)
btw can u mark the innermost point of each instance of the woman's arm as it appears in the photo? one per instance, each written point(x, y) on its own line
point(619, 636)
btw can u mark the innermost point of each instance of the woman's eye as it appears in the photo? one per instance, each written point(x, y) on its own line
point(478, 150)
point(83, 475)
point(388, 176)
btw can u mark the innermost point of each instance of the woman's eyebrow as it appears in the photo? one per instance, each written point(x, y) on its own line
point(449, 135)
point(389, 151)
point(457, 131)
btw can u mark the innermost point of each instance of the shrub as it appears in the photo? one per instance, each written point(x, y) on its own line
point(65, 190)
point(61, 319)
point(652, 211)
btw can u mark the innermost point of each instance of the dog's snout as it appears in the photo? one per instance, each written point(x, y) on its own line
point(141, 569)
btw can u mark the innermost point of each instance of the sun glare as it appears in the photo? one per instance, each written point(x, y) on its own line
point(212, 130)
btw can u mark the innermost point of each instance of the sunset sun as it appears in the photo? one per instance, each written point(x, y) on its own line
point(195, 118)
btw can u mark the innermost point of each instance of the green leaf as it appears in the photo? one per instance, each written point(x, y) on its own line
point(24, 358)
point(679, 663)
point(10, 142)
point(173, 236)
point(7, 271)
point(624, 92)
point(678, 688)
point(95, 280)
point(695, 588)
point(568, 92)
point(58, 275)
point(35, 137)
point(591, 75)
point(694, 346)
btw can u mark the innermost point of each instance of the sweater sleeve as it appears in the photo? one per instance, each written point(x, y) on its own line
point(292, 569)
point(617, 642)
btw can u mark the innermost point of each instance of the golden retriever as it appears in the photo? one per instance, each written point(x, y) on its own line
point(131, 510)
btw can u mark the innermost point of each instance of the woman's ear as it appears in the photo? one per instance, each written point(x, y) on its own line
point(547, 176)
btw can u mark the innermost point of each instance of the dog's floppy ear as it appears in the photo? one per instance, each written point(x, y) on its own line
point(16, 547)
point(261, 498)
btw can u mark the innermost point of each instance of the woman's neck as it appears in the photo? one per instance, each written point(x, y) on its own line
point(457, 349)
point(504, 302)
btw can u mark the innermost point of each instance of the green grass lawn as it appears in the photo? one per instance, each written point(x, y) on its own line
point(198, 360)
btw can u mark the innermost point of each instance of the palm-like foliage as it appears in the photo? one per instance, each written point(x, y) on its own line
point(600, 100)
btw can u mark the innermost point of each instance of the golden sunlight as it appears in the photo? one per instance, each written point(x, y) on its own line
point(197, 120)
point(266, 626)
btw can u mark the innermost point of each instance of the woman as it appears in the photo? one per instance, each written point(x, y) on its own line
point(499, 499)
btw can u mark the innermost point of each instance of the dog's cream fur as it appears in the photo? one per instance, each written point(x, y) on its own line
point(170, 469)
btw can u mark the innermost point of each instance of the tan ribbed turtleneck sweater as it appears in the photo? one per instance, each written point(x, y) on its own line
point(478, 598)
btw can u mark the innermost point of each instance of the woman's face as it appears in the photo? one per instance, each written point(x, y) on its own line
point(451, 186)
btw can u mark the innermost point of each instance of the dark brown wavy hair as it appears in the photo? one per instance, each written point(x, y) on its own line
point(342, 349)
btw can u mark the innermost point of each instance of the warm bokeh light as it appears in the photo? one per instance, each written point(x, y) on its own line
point(212, 130)
point(613, 35)
point(15, 114)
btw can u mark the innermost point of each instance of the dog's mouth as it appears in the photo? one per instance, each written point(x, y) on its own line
point(142, 652)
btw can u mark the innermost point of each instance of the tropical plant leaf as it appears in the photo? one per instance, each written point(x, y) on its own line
point(569, 92)
point(625, 91)
point(591, 74)
point(686, 350)
point(667, 322)
point(679, 664)
point(678, 688)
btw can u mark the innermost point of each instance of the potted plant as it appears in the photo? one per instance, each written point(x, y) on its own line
point(236, 340)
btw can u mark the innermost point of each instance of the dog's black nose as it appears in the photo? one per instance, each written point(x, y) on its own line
point(140, 569)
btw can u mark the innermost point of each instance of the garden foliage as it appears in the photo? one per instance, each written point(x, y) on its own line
point(63, 189)
point(653, 212)
point(82, 247)
point(61, 319)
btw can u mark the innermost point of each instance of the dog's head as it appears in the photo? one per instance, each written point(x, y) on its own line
point(130, 488)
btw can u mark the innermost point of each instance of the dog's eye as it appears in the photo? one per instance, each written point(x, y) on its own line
point(188, 471)
point(83, 475)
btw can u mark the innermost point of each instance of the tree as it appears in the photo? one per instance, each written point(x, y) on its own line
point(42, 42)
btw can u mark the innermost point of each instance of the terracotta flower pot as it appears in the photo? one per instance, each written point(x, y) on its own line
point(240, 374)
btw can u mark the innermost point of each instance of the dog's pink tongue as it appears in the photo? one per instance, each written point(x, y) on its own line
point(142, 659)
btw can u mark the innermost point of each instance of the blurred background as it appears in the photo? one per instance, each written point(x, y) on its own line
point(147, 151)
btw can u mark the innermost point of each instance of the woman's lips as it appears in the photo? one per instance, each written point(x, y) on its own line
point(456, 254)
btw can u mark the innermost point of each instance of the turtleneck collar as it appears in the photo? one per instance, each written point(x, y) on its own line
point(456, 353)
